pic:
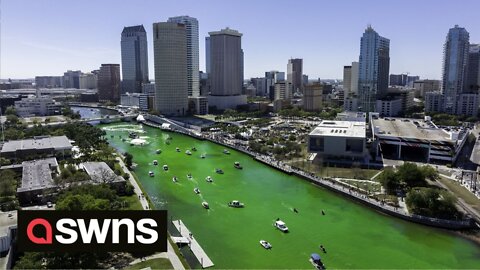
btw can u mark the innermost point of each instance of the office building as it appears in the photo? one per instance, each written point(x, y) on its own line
point(41, 145)
point(374, 64)
point(71, 79)
point(294, 74)
point(347, 78)
point(468, 104)
point(199, 105)
point(473, 70)
point(48, 81)
point(134, 58)
point(207, 56)
point(389, 107)
point(226, 74)
point(37, 180)
point(354, 79)
point(434, 101)
point(424, 86)
point(260, 85)
point(108, 83)
point(312, 97)
point(87, 81)
point(191, 26)
point(131, 99)
point(455, 60)
point(170, 60)
point(37, 106)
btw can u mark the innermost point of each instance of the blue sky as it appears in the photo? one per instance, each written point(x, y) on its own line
point(47, 37)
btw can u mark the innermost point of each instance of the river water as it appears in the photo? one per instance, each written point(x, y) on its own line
point(354, 236)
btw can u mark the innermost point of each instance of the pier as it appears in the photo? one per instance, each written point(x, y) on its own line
point(197, 250)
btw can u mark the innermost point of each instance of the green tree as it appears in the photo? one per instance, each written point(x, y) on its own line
point(8, 183)
point(411, 175)
point(429, 172)
point(10, 110)
point(389, 180)
point(12, 119)
point(432, 203)
point(128, 160)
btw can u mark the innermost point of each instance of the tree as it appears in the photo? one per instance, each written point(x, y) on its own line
point(389, 180)
point(12, 119)
point(10, 110)
point(411, 175)
point(432, 203)
point(128, 160)
point(429, 172)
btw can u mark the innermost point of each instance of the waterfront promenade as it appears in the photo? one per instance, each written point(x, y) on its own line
point(197, 250)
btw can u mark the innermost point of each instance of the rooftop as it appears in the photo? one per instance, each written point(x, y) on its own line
point(37, 174)
point(37, 143)
point(409, 128)
point(100, 172)
point(340, 129)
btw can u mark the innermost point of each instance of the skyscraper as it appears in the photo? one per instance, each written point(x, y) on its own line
point(191, 26)
point(170, 61)
point(207, 55)
point(473, 71)
point(455, 62)
point(374, 64)
point(134, 58)
point(226, 74)
point(109, 82)
point(294, 73)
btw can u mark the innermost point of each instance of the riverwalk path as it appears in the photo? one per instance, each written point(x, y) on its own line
point(197, 250)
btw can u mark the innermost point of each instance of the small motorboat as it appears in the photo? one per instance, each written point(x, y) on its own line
point(316, 260)
point(189, 176)
point(165, 167)
point(188, 152)
point(194, 149)
point(209, 179)
point(265, 244)
point(155, 162)
point(196, 190)
point(174, 179)
point(236, 204)
point(151, 174)
point(203, 156)
point(205, 205)
point(219, 171)
point(237, 165)
point(177, 149)
point(158, 151)
point(225, 151)
point(281, 226)
point(132, 135)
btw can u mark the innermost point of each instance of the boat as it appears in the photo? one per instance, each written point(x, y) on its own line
point(165, 167)
point(124, 140)
point(202, 156)
point(219, 171)
point(155, 162)
point(225, 151)
point(194, 149)
point(265, 244)
point(151, 174)
point(196, 190)
point(177, 149)
point(205, 205)
point(189, 176)
point(158, 151)
point(236, 204)
point(188, 152)
point(316, 260)
point(132, 135)
point(209, 179)
point(237, 165)
point(174, 179)
point(281, 226)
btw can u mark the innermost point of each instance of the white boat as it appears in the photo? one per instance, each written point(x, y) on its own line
point(225, 151)
point(281, 226)
point(209, 179)
point(219, 171)
point(196, 190)
point(151, 173)
point(237, 165)
point(155, 162)
point(165, 167)
point(174, 179)
point(189, 176)
point(203, 156)
point(158, 151)
point(316, 261)
point(265, 244)
point(205, 205)
point(177, 149)
point(236, 204)
point(188, 152)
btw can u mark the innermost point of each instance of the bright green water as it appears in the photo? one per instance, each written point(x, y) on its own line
point(354, 236)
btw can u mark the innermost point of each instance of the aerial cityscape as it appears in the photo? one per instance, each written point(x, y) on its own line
point(262, 155)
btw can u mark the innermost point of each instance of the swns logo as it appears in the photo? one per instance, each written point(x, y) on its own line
point(89, 231)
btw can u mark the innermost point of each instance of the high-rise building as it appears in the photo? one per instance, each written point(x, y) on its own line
point(226, 70)
point(354, 79)
point(347, 79)
point(473, 71)
point(374, 64)
point(71, 79)
point(207, 56)
point(294, 73)
point(398, 79)
point(434, 101)
point(48, 81)
point(134, 58)
point(455, 61)
point(191, 26)
point(312, 97)
point(424, 86)
point(88, 81)
point(170, 61)
point(109, 83)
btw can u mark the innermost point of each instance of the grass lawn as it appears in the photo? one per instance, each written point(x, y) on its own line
point(160, 263)
point(372, 187)
point(461, 192)
point(133, 202)
point(324, 171)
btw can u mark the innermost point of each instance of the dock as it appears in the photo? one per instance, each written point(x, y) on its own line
point(197, 250)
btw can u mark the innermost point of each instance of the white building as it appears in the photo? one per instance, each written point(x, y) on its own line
point(131, 99)
point(389, 107)
point(37, 106)
point(87, 81)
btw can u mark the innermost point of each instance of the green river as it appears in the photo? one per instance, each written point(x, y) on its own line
point(354, 236)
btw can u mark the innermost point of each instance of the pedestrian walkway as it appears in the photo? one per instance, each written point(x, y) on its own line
point(197, 250)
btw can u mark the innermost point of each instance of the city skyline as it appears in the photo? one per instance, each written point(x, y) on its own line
point(45, 44)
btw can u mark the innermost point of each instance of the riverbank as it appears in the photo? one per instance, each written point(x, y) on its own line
point(331, 184)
